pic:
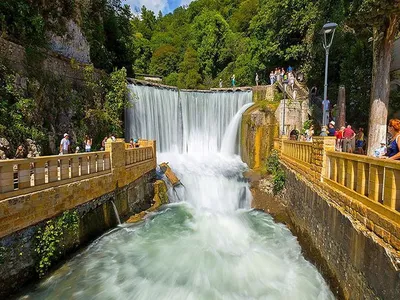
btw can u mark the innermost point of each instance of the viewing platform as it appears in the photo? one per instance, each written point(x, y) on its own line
point(365, 187)
point(35, 189)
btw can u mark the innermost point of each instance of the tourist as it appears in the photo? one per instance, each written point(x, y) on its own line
point(290, 69)
point(256, 79)
point(381, 151)
point(233, 80)
point(111, 138)
point(291, 80)
point(20, 153)
point(323, 131)
point(331, 129)
point(88, 143)
point(394, 145)
point(339, 139)
point(136, 142)
point(360, 141)
point(294, 135)
point(348, 139)
point(277, 74)
point(309, 133)
point(103, 143)
point(220, 83)
point(131, 144)
point(65, 145)
point(77, 149)
point(272, 77)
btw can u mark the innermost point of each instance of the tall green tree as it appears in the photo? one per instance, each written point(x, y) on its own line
point(189, 71)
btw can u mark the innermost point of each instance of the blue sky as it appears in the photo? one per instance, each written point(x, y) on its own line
point(165, 6)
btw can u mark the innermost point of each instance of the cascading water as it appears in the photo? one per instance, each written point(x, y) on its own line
point(185, 121)
point(208, 244)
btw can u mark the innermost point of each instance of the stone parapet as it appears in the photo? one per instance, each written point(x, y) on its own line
point(366, 188)
point(33, 190)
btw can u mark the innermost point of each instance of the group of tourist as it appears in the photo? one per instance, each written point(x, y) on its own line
point(280, 75)
point(350, 141)
point(65, 144)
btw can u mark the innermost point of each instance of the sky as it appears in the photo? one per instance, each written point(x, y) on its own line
point(165, 6)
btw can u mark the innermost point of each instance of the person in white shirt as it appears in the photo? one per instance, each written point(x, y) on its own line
point(381, 151)
point(65, 144)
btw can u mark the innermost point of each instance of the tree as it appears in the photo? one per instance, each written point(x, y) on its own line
point(383, 17)
point(189, 75)
point(164, 60)
point(211, 33)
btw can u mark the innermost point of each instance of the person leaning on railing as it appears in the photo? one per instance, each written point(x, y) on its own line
point(393, 150)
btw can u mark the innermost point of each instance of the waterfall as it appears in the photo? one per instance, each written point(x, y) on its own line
point(187, 122)
point(208, 244)
point(116, 212)
point(229, 141)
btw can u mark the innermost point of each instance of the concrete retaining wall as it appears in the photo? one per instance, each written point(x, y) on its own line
point(19, 259)
point(350, 256)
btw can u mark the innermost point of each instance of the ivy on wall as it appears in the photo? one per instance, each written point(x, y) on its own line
point(51, 239)
point(275, 169)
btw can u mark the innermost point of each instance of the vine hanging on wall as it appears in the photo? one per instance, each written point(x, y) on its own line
point(50, 240)
point(275, 169)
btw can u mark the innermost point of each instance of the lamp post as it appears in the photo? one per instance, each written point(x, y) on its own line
point(327, 29)
point(284, 107)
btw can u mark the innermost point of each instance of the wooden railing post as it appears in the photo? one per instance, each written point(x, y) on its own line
point(6, 178)
point(75, 167)
point(53, 170)
point(39, 172)
point(64, 168)
point(392, 189)
point(362, 177)
point(376, 183)
point(24, 174)
point(350, 174)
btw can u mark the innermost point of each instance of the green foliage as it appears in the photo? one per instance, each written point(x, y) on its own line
point(50, 240)
point(189, 77)
point(19, 109)
point(275, 169)
point(273, 163)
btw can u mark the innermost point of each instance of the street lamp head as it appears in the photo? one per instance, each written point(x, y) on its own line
point(328, 28)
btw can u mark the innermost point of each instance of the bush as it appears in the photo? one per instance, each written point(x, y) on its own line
point(275, 169)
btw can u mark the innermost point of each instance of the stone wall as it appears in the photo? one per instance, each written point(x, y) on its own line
point(19, 258)
point(355, 259)
point(259, 127)
point(128, 185)
point(15, 57)
point(258, 130)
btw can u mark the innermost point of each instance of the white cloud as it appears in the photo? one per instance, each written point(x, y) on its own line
point(185, 2)
point(154, 5)
point(165, 6)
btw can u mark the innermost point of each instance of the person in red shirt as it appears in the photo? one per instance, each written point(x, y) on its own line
point(339, 139)
point(348, 139)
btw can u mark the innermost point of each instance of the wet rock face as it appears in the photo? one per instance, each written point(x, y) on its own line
point(4, 148)
point(32, 149)
point(72, 44)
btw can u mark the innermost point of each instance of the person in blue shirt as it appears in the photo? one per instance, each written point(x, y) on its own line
point(393, 151)
point(331, 128)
